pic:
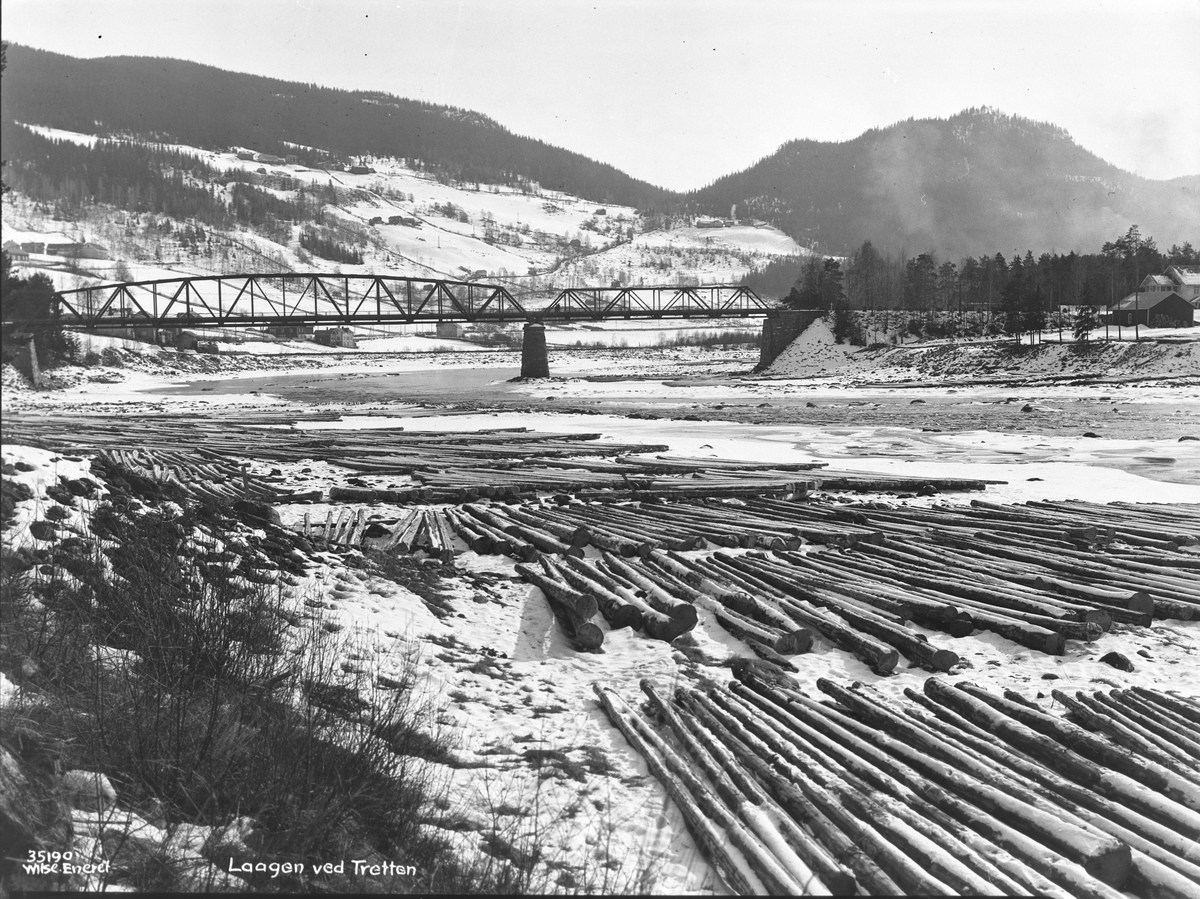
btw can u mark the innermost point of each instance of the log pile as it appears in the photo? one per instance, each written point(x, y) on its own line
point(455, 467)
point(431, 531)
point(873, 596)
point(950, 791)
point(204, 476)
point(872, 578)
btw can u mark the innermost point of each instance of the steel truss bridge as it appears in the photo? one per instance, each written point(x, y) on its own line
point(265, 300)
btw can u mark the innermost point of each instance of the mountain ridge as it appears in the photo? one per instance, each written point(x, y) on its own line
point(978, 182)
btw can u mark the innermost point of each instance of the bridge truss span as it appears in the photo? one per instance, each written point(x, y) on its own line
point(598, 303)
point(266, 300)
point(288, 299)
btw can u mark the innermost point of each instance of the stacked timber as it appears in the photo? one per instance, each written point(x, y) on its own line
point(954, 791)
point(431, 531)
point(204, 476)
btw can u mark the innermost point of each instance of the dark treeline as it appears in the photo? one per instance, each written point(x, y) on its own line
point(877, 280)
point(1020, 294)
point(202, 106)
point(328, 248)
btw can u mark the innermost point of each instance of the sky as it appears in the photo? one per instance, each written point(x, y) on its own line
point(680, 92)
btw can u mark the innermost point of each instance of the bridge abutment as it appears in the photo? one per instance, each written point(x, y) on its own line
point(780, 328)
point(535, 360)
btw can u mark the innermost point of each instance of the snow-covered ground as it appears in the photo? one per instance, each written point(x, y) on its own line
point(1112, 353)
point(537, 695)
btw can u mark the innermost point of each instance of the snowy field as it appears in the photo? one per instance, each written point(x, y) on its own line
point(537, 692)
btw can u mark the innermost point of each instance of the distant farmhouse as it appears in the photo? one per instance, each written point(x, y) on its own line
point(78, 250)
point(1172, 297)
point(336, 337)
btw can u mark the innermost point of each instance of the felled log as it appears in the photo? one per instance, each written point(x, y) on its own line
point(1146, 799)
point(707, 832)
point(1102, 856)
point(543, 540)
point(912, 643)
point(616, 611)
point(572, 536)
point(655, 623)
point(935, 812)
point(582, 605)
point(1086, 711)
point(1177, 742)
point(572, 608)
point(799, 854)
point(506, 543)
point(881, 658)
point(737, 600)
point(478, 541)
point(948, 848)
point(794, 642)
point(910, 873)
point(1145, 771)
point(753, 754)
point(1144, 835)
point(408, 532)
point(1179, 715)
point(678, 610)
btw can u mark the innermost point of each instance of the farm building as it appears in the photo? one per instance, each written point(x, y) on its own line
point(33, 246)
point(336, 337)
point(78, 250)
point(1152, 307)
point(1185, 280)
point(290, 332)
point(361, 170)
point(16, 253)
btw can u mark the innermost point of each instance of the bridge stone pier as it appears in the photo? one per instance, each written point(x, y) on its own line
point(535, 360)
point(780, 328)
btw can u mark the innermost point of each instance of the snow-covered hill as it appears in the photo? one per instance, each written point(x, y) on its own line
point(405, 222)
